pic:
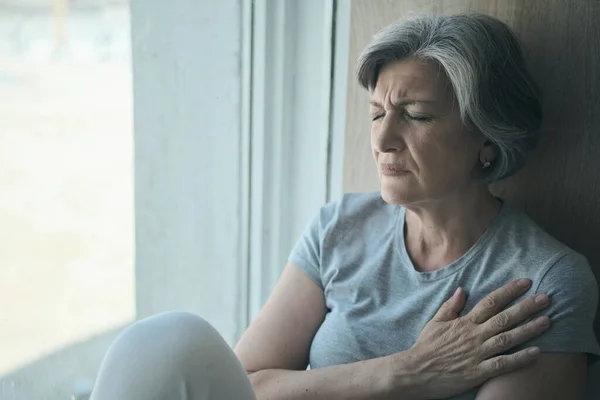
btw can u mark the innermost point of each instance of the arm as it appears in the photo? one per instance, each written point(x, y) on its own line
point(561, 371)
point(275, 349)
point(446, 360)
point(553, 377)
point(364, 380)
point(276, 346)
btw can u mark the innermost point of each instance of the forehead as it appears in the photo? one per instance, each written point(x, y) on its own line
point(412, 78)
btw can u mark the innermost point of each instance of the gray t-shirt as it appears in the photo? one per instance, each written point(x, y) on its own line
point(378, 303)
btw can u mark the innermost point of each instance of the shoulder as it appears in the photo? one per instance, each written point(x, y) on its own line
point(521, 231)
point(555, 267)
point(559, 272)
point(327, 237)
point(353, 203)
point(354, 208)
point(572, 286)
point(538, 250)
point(537, 254)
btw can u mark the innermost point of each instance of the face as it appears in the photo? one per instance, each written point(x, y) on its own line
point(422, 149)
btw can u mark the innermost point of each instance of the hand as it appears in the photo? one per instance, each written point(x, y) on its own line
point(455, 354)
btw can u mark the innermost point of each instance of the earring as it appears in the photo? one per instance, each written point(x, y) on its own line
point(486, 164)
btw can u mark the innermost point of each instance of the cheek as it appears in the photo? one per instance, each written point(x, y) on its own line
point(447, 160)
point(435, 155)
point(372, 136)
point(426, 150)
point(372, 143)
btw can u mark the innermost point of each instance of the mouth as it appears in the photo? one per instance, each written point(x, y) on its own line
point(393, 170)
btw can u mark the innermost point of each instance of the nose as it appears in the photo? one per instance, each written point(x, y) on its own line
point(387, 137)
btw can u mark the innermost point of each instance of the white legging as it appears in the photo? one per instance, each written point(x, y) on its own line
point(171, 356)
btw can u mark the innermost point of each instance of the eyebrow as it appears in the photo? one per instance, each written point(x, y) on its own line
point(404, 102)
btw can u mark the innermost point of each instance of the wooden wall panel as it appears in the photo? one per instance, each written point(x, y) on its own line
point(560, 185)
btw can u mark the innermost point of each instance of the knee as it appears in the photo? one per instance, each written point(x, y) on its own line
point(176, 334)
point(178, 323)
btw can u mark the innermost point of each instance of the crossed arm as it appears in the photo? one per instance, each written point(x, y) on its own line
point(552, 377)
point(274, 351)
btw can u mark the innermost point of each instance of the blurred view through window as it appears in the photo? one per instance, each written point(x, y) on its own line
point(66, 184)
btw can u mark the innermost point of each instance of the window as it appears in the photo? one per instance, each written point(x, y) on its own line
point(232, 153)
point(66, 184)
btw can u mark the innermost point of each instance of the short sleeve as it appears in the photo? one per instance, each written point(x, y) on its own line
point(573, 292)
point(306, 254)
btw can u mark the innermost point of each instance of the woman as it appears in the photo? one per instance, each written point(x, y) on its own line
point(369, 298)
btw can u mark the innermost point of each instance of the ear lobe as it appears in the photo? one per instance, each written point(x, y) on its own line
point(488, 152)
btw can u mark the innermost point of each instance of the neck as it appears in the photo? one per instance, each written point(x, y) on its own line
point(441, 231)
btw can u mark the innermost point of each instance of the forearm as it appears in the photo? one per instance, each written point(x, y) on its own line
point(377, 379)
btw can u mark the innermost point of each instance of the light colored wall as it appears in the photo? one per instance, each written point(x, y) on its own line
point(188, 160)
point(225, 187)
point(342, 69)
point(290, 132)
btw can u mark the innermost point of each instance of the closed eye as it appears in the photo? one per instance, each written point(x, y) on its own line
point(416, 117)
point(376, 117)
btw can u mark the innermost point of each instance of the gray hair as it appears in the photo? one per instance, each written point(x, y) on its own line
point(482, 59)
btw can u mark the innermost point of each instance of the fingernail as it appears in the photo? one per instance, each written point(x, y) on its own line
point(543, 322)
point(541, 299)
point(524, 283)
point(534, 351)
point(456, 292)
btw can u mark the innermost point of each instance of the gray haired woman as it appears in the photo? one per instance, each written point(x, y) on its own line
point(426, 289)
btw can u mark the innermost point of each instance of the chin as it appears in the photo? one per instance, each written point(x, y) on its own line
point(396, 194)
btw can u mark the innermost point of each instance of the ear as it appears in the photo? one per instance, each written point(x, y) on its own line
point(488, 152)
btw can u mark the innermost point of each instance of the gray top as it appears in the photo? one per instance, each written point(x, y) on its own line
point(378, 303)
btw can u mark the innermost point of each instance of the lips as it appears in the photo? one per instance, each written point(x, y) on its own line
point(393, 169)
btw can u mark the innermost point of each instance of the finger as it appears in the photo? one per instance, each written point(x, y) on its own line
point(507, 340)
point(493, 303)
point(515, 314)
point(452, 307)
point(504, 364)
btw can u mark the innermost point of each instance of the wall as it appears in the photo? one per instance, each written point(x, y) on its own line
point(231, 163)
point(289, 132)
point(188, 160)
